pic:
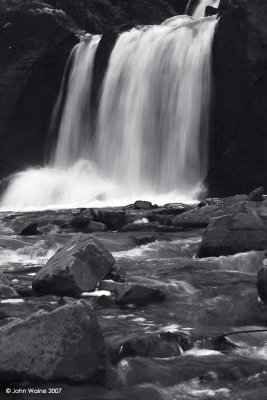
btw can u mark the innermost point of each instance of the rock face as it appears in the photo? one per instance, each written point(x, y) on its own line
point(65, 344)
point(234, 233)
point(75, 268)
point(35, 42)
point(238, 133)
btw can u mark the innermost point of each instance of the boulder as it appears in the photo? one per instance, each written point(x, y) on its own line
point(256, 195)
point(262, 284)
point(200, 217)
point(63, 345)
point(114, 219)
point(149, 345)
point(30, 230)
point(143, 205)
point(96, 227)
point(132, 293)
point(82, 220)
point(233, 233)
point(75, 268)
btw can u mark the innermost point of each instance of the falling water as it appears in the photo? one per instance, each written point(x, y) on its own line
point(155, 107)
point(76, 119)
point(153, 120)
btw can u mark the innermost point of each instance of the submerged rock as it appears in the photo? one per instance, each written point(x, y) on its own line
point(6, 291)
point(132, 293)
point(75, 268)
point(233, 233)
point(149, 345)
point(65, 344)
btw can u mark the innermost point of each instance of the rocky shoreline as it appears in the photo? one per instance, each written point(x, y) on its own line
point(60, 326)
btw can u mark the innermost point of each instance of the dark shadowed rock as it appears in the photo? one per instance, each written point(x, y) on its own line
point(138, 295)
point(35, 42)
point(262, 284)
point(113, 219)
point(82, 220)
point(143, 205)
point(65, 344)
point(233, 233)
point(209, 11)
point(256, 195)
point(146, 239)
point(30, 230)
point(238, 140)
point(132, 293)
point(75, 268)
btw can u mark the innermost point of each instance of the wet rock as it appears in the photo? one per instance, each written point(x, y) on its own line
point(75, 268)
point(136, 227)
point(65, 344)
point(143, 205)
point(262, 284)
point(113, 219)
point(199, 217)
point(149, 345)
point(233, 233)
point(7, 292)
point(174, 208)
point(138, 295)
point(142, 240)
point(82, 220)
point(96, 227)
point(132, 293)
point(256, 195)
point(30, 230)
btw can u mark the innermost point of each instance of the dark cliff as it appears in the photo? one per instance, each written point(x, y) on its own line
point(239, 131)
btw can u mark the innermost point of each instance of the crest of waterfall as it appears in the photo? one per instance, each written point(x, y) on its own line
point(152, 127)
point(75, 125)
point(155, 107)
point(201, 7)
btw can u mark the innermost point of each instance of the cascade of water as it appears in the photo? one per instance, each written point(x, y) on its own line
point(75, 126)
point(154, 111)
point(151, 138)
point(201, 7)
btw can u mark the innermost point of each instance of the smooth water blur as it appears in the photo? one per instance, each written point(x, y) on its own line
point(152, 125)
point(155, 107)
point(204, 298)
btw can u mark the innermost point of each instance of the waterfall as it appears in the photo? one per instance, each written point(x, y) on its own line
point(154, 111)
point(75, 126)
point(152, 125)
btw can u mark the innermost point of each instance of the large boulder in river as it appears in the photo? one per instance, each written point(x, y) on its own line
point(233, 233)
point(63, 345)
point(75, 268)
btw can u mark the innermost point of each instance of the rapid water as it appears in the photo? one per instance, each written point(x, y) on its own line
point(152, 125)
